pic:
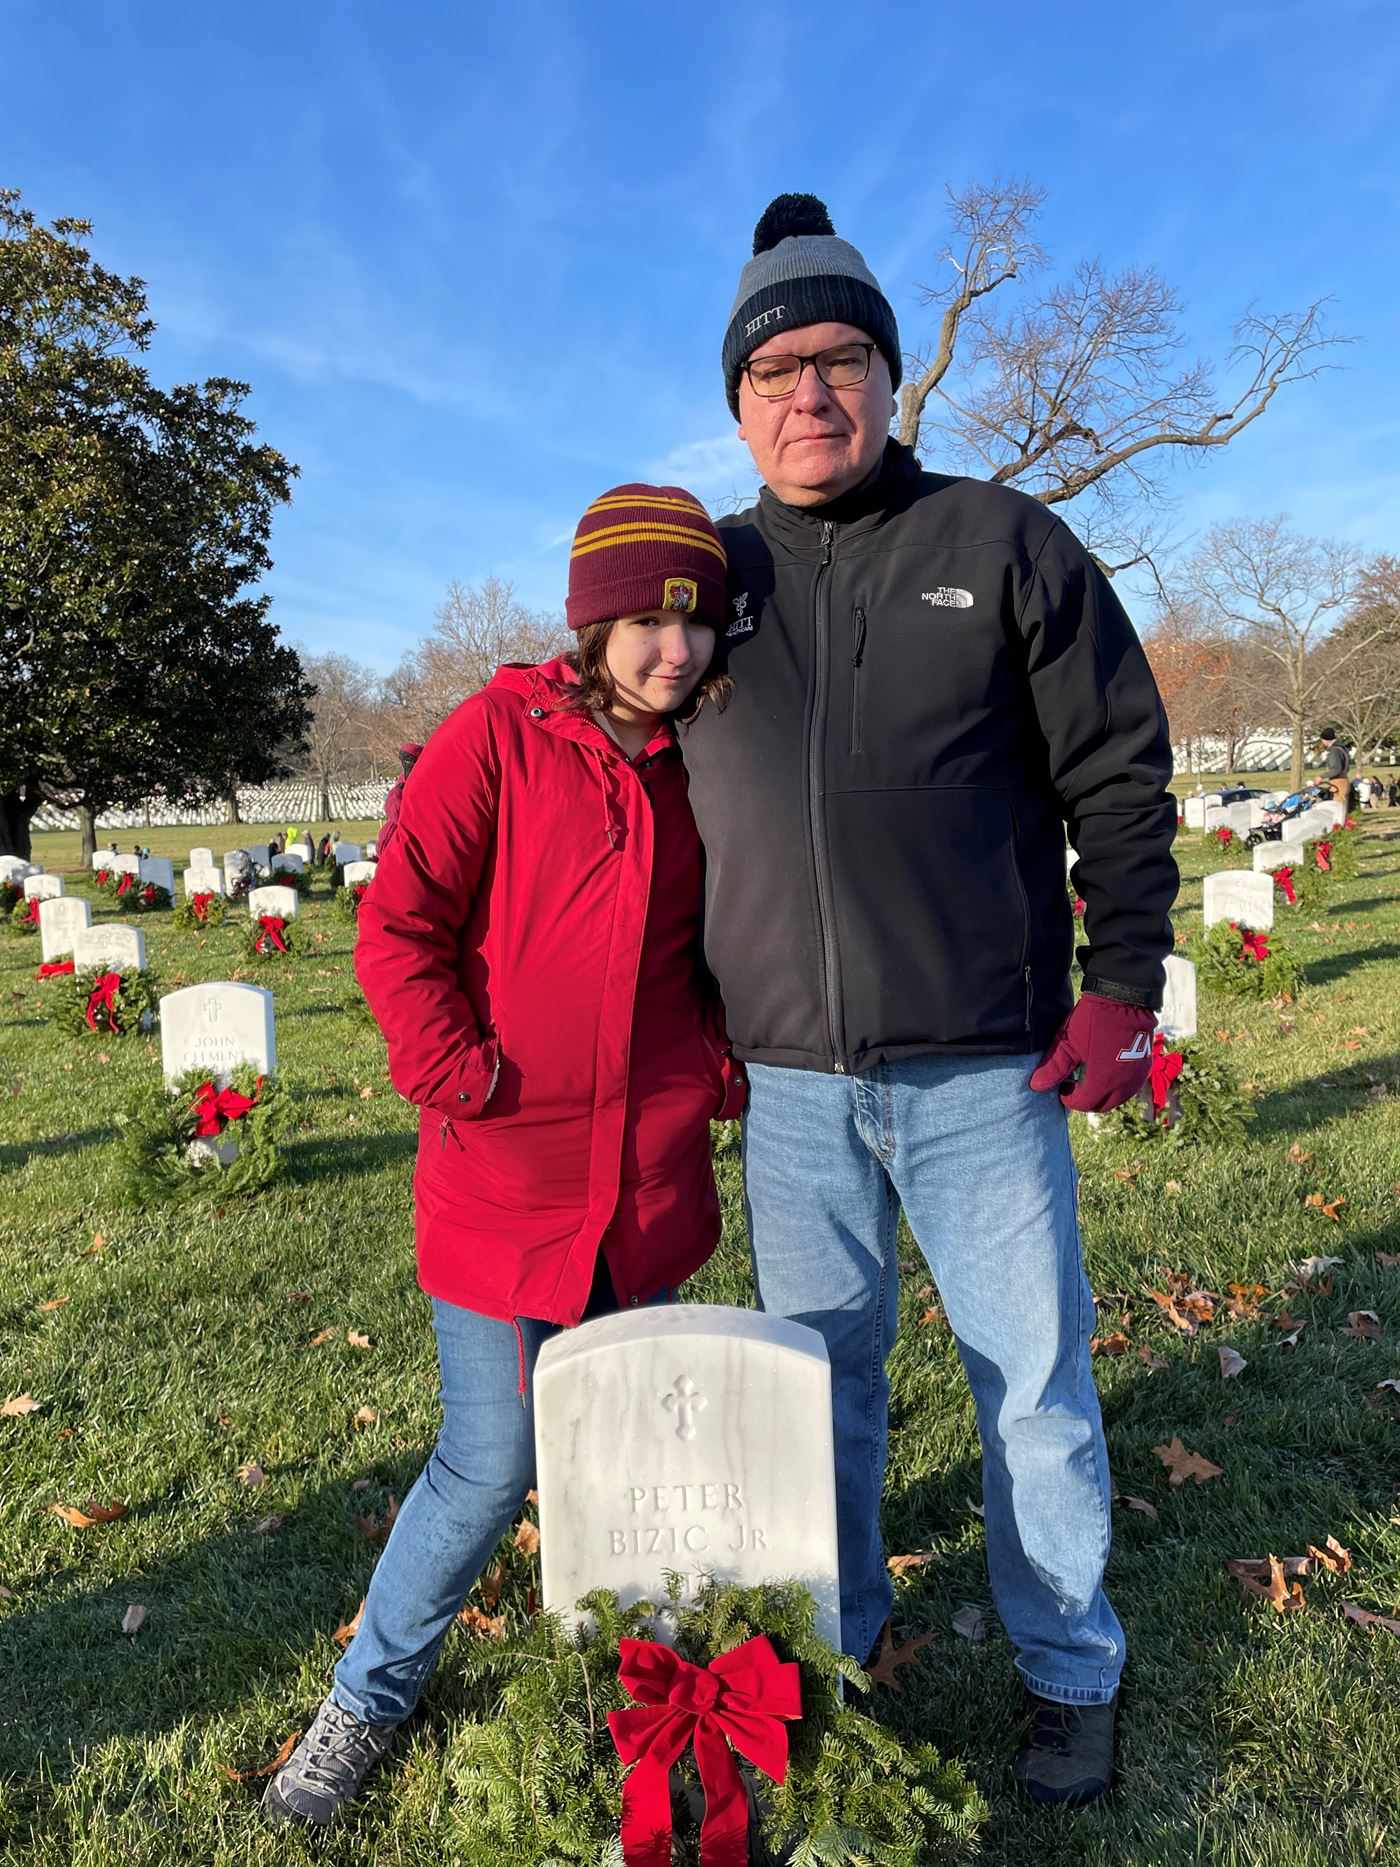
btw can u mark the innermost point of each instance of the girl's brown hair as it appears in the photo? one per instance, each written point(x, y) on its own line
point(597, 689)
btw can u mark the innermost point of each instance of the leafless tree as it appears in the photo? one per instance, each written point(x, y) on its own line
point(1077, 390)
point(1359, 663)
point(1277, 594)
point(340, 711)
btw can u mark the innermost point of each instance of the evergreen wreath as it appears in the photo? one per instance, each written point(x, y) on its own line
point(1191, 1095)
point(24, 915)
point(538, 1780)
point(347, 899)
point(269, 938)
point(1307, 885)
point(1335, 856)
point(200, 910)
point(106, 1000)
point(1246, 964)
point(287, 878)
point(159, 1125)
point(11, 894)
point(148, 898)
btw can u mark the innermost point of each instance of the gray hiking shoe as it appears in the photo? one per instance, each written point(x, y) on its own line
point(324, 1771)
point(1067, 1754)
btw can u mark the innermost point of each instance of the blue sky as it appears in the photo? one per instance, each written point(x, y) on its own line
point(476, 262)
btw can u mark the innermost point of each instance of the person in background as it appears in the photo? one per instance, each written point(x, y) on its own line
point(1337, 765)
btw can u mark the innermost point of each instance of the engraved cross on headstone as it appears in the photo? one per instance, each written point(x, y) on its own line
point(684, 1400)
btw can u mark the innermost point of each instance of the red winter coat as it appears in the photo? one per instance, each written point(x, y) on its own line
point(531, 950)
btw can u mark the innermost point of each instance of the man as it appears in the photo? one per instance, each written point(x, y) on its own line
point(931, 678)
point(1337, 767)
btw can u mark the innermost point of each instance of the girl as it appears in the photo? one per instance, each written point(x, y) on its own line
point(530, 949)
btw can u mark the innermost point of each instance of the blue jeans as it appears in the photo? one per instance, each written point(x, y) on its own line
point(981, 1165)
point(465, 1499)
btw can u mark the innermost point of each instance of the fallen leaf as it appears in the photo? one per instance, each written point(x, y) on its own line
point(1387, 1260)
point(930, 1316)
point(1172, 1186)
point(55, 1303)
point(1284, 1321)
point(375, 1529)
point(18, 1405)
point(1128, 1173)
point(1151, 1360)
point(134, 1619)
point(365, 1416)
point(1364, 1617)
point(347, 1630)
point(266, 1525)
point(92, 1512)
point(358, 1339)
point(892, 1657)
point(1328, 1208)
point(1311, 1268)
point(1232, 1363)
point(323, 1336)
point(978, 1510)
point(919, 1559)
point(487, 1626)
point(265, 1769)
point(252, 1474)
point(98, 1242)
point(1115, 1344)
point(1140, 1504)
point(1364, 1324)
point(527, 1539)
point(1281, 1594)
point(971, 1623)
point(1176, 1317)
point(1291, 1341)
point(1242, 1300)
point(1333, 1557)
point(491, 1586)
point(1182, 1464)
point(532, 1498)
point(1296, 1153)
point(366, 1093)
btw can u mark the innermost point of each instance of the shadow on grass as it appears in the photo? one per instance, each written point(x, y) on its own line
point(1361, 907)
point(310, 1160)
point(1325, 971)
point(1314, 1100)
point(19, 1153)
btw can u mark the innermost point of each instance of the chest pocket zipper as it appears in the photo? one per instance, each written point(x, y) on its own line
point(857, 657)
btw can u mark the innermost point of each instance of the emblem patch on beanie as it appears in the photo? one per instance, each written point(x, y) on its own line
point(681, 593)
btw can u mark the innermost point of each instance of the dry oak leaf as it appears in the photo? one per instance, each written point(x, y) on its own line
point(266, 1525)
point(971, 1623)
point(892, 1657)
point(1309, 1269)
point(98, 1241)
point(375, 1529)
point(930, 1316)
point(1176, 1317)
point(1140, 1504)
point(919, 1559)
point(487, 1626)
point(263, 1769)
point(347, 1630)
point(322, 1336)
point(134, 1619)
point(1242, 1300)
point(1281, 1594)
point(1283, 1320)
point(1151, 1360)
point(1232, 1363)
point(490, 1586)
point(92, 1512)
point(1387, 1260)
point(1128, 1173)
point(358, 1339)
point(1296, 1153)
point(1333, 1557)
point(55, 1303)
point(252, 1474)
point(1115, 1344)
point(1327, 1207)
point(1364, 1324)
point(1365, 1617)
point(18, 1405)
point(365, 1416)
point(527, 1539)
point(1182, 1464)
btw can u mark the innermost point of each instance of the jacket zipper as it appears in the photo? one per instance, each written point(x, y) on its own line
point(1025, 915)
point(857, 657)
point(815, 764)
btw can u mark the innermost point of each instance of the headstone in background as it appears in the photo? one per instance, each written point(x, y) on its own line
point(693, 1438)
point(124, 865)
point(43, 887)
point(1071, 857)
point(202, 859)
point(1217, 818)
point(112, 944)
point(161, 871)
point(1240, 818)
point(1239, 895)
point(1209, 799)
point(292, 864)
point(203, 881)
point(236, 862)
point(1339, 813)
point(1177, 1018)
point(1195, 810)
point(1317, 822)
point(59, 923)
point(346, 852)
point(214, 1028)
point(14, 868)
point(274, 899)
point(353, 872)
point(1271, 856)
point(303, 849)
point(258, 852)
point(101, 859)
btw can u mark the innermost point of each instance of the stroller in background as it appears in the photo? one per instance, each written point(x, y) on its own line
point(1271, 829)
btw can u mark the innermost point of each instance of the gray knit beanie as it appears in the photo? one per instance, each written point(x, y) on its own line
point(801, 273)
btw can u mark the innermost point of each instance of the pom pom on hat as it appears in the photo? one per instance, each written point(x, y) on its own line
point(787, 214)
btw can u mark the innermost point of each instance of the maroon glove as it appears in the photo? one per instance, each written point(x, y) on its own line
point(1113, 1041)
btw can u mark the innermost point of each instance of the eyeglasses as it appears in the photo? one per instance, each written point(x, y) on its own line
point(841, 367)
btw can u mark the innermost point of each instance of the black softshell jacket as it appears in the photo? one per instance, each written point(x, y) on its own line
point(932, 681)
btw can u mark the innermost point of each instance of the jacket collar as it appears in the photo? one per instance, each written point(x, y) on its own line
point(890, 489)
point(540, 687)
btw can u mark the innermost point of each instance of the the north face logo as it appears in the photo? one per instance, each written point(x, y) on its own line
point(945, 598)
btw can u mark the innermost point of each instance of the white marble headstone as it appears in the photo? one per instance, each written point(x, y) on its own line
point(236, 861)
point(302, 849)
point(258, 853)
point(1195, 811)
point(358, 872)
point(123, 865)
point(278, 899)
point(161, 871)
point(1240, 895)
point(346, 852)
point(14, 868)
point(204, 881)
point(101, 859)
point(1217, 818)
point(110, 943)
point(372, 851)
point(1316, 822)
point(215, 1028)
point(1240, 818)
point(43, 887)
point(1177, 1018)
point(202, 859)
point(294, 865)
point(693, 1438)
point(59, 922)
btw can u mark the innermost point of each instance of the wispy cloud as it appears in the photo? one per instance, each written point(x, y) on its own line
point(712, 469)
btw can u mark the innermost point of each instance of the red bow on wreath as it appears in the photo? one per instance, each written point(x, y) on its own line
point(31, 913)
point(52, 967)
point(200, 904)
point(103, 997)
point(1322, 852)
point(1224, 836)
point(740, 1698)
point(272, 926)
point(102, 875)
point(1253, 945)
point(361, 889)
point(215, 1108)
point(1284, 878)
point(1079, 907)
point(1166, 1067)
point(148, 893)
point(125, 882)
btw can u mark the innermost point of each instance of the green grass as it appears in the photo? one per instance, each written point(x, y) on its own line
point(182, 1351)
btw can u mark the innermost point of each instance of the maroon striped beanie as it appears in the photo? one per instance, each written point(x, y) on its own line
point(641, 548)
